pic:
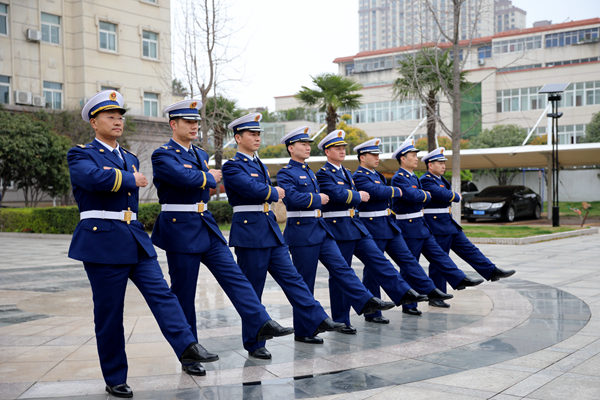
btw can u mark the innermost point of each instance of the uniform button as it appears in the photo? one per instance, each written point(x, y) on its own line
point(410, 220)
point(316, 191)
point(371, 219)
point(434, 217)
point(101, 151)
point(174, 220)
point(334, 221)
point(129, 193)
point(202, 214)
point(177, 151)
point(298, 223)
point(95, 228)
point(245, 221)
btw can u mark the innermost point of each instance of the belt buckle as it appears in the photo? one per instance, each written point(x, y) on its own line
point(351, 213)
point(266, 207)
point(319, 213)
point(127, 216)
point(200, 206)
point(389, 212)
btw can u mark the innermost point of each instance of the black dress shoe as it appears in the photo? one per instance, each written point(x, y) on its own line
point(498, 274)
point(328, 325)
point(261, 353)
point(195, 353)
point(376, 304)
point(412, 297)
point(122, 390)
point(348, 330)
point(309, 339)
point(437, 294)
point(411, 311)
point(378, 320)
point(271, 329)
point(468, 282)
point(438, 303)
point(194, 369)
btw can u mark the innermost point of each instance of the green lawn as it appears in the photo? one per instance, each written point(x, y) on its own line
point(564, 208)
point(512, 231)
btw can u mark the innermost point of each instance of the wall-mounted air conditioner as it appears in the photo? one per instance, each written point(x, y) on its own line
point(39, 101)
point(22, 97)
point(33, 35)
point(481, 61)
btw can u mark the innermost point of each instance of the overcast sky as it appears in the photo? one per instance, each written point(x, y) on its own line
point(287, 41)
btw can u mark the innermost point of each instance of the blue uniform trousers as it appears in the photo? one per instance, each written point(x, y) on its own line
point(306, 259)
point(255, 263)
point(108, 284)
point(466, 250)
point(410, 269)
point(383, 272)
point(183, 270)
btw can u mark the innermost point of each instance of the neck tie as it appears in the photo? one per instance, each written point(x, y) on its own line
point(118, 155)
point(193, 153)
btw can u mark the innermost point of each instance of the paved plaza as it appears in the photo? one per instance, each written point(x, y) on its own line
point(533, 336)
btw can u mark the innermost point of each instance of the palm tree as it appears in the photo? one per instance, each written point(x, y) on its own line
point(423, 76)
point(332, 92)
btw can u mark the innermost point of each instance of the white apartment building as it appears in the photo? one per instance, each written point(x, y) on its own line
point(58, 53)
point(385, 24)
point(508, 17)
point(509, 68)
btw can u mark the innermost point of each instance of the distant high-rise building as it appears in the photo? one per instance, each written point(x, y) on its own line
point(387, 24)
point(508, 17)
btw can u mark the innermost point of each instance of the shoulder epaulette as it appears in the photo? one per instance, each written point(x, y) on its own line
point(429, 176)
point(81, 145)
point(324, 169)
point(286, 166)
point(400, 173)
point(360, 171)
point(130, 152)
point(165, 147)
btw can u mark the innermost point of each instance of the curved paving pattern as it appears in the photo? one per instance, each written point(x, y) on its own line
point(47, 343)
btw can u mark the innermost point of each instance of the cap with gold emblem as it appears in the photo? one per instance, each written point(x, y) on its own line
point(250, 122)
point(300, 134)
point(335, 138)
point(102, 101)
point(186, 109)
point(435, 155)
point(406, 147)
point(370, 146)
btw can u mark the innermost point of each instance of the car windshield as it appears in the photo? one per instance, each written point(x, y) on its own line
point(496, 191)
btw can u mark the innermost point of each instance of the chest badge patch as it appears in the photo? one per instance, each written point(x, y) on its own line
point(255, 175)
point(302, 177)
point(442, 186)
point(414, 187)
point(107, 168)
point(187, 165)
point(340, 183)
point(377, 182)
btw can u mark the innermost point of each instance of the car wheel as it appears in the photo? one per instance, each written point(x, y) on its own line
point(470, 219)
point(510, 214)
point(537, 213)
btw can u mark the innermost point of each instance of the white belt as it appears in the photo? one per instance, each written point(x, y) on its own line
point(333, 214)
point(437, 210)
point(409, 216)
point(304, 214)
point(198, 207)
point(371, 214)
point(126, 216)
point(265, 207)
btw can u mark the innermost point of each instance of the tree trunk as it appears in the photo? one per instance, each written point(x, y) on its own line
point(430, 110)
point(456, 98)
point(331, 118)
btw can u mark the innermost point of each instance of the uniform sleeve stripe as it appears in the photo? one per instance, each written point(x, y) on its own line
point(118, 180)
point(204, 183)
point(269, 195)
point(453, 196)
point(349, 200)
point(393, 191)
point(425, 199)
point(311, 200)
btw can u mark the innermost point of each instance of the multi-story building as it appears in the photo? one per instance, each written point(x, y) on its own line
point(57, 54)
point(385, 24)
point(508, 17)
point(508, 69)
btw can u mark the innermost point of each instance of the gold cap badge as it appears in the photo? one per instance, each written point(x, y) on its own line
point(193, 104)
point(113, 96)
point(257, 118)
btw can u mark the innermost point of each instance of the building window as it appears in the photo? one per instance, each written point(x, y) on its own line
point(53, 95)
point(4, 89)
point(350, 69)
point(3, 19)
point(514, 45)
point(150, 104)
point(50, 28)
point(150, 44)
point(572, 37)
point(108, 36)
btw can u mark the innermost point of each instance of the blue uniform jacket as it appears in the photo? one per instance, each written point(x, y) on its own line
point(343, 195)
point(247, 183)
point(181, 179)
point(442, 197)
point(375, 184)
point(100, 183)
point(302, 194)
point(412, 201)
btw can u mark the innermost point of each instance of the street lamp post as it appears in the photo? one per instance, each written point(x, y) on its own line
point(554, 91)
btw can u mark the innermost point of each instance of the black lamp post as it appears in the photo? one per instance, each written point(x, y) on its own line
point(554, 91)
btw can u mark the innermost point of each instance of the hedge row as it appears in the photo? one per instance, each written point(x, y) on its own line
point(65, 219)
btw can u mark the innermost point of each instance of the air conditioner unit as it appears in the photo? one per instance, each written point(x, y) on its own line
point(22, 97)
point(33, 35)
point(39, 101)
point(481, 61)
